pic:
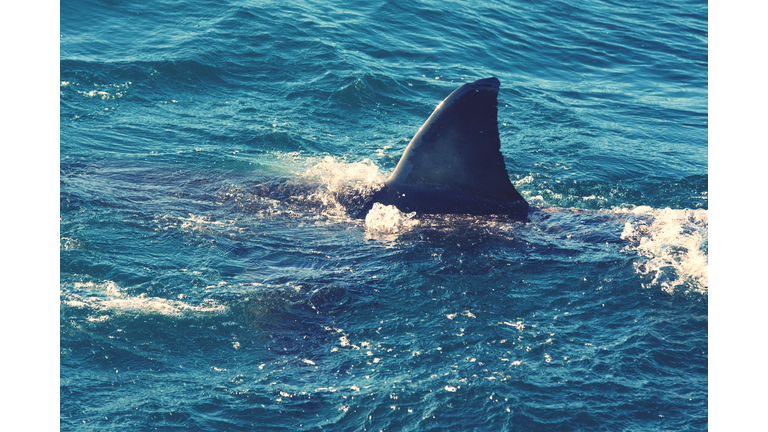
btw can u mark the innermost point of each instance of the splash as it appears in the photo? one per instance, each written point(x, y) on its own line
point(674, 244)
point(383, 219)
point(337, 173)
point(345, 186)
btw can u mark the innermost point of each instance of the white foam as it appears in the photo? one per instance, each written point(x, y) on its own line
point(112, 91)
point(340, 179)
point(388, 220)
point(68, 243)
point(336, 173)
point(196, 223)
point(108, 296)
point(674, 245)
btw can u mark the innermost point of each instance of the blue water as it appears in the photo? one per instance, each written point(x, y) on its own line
point(210, 281)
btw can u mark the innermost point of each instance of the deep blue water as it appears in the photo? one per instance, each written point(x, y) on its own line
point(209, 281)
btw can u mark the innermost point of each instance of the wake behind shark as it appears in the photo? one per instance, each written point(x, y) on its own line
point(454, 165)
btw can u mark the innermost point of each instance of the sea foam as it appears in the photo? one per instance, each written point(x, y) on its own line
point(674, 245)
point(107, 296)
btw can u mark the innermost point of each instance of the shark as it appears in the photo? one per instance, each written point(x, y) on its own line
point(454, 165)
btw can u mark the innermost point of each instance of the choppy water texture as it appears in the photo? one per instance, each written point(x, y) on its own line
point(210, 281)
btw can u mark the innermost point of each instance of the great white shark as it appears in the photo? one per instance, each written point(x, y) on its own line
point(454, 165)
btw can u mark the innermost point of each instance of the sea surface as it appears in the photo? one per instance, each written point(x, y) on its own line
point(210, 279)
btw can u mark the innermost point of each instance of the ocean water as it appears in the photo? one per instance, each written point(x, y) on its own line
point(211, 280)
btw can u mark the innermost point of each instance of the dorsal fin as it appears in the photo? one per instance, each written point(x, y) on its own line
point(454, 163)
point(459, 144)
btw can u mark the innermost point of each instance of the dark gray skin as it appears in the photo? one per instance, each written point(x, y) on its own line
point(454, 163)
